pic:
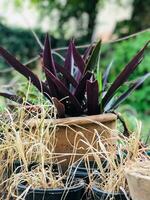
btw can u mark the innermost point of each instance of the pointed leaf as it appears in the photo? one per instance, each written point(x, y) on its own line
point(22, 69)
point(99, 78)
point(48, 61)
point(106, 74)
point(92, 97)
point(66, 75)
point(87, 53)
point(69, 62)
point(64, 92)
point(81, 88)
point(78, 59)
point(60, 107)
point(93, 59)
point(124, 75)
point(52, 89)
point(69, 58)
point(78, 76)
point(133, 87)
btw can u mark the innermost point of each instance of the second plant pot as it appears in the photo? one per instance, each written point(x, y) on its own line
point(82, 170)
point(102, 195)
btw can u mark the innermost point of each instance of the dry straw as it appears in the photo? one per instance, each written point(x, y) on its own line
point(22, 142)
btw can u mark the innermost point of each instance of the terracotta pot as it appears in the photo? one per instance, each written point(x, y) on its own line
point(69, 132)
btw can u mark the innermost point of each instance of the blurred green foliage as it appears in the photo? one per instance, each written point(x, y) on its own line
point(23, 45)
point(20, 42)
point(121, 53)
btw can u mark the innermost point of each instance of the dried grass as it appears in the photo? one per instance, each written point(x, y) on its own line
point(19, 141)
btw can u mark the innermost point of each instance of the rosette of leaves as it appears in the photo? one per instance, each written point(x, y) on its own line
point(72, 87)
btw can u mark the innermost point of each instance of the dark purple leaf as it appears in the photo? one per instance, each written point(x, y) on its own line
point(64, 92)
point(87, 53)
point(92, 97)
point(93, 59)
point(69, 58)
point(124, 75)
point(133, 87)
point(81, 88)
point(78, 76)
point(22, 69)
point(52, 89)
point(78, 59)
point(69, 62)
point(60, 107)
point(66, 75)
point(106, 74)
point(48, 61)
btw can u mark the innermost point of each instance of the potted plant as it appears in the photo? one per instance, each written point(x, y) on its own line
point(82, 102)
point(20, 149)
point(42, 183)
point(34, 165)
point(111, 182)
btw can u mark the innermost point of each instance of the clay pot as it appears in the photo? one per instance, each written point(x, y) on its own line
point(69, 133)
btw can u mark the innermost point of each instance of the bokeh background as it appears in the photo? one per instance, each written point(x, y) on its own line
point(21, 22)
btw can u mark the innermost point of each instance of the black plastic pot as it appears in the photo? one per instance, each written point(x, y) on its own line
point(102, 195)
point(72, 193)
point(80, 170)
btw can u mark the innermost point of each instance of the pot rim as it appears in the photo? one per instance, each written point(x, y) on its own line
point(100, 118)
point(56, 190)
point(96, 189)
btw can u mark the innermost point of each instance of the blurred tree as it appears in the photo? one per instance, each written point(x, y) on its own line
point(141, 16)
point(81, 14)
point(140, 19)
